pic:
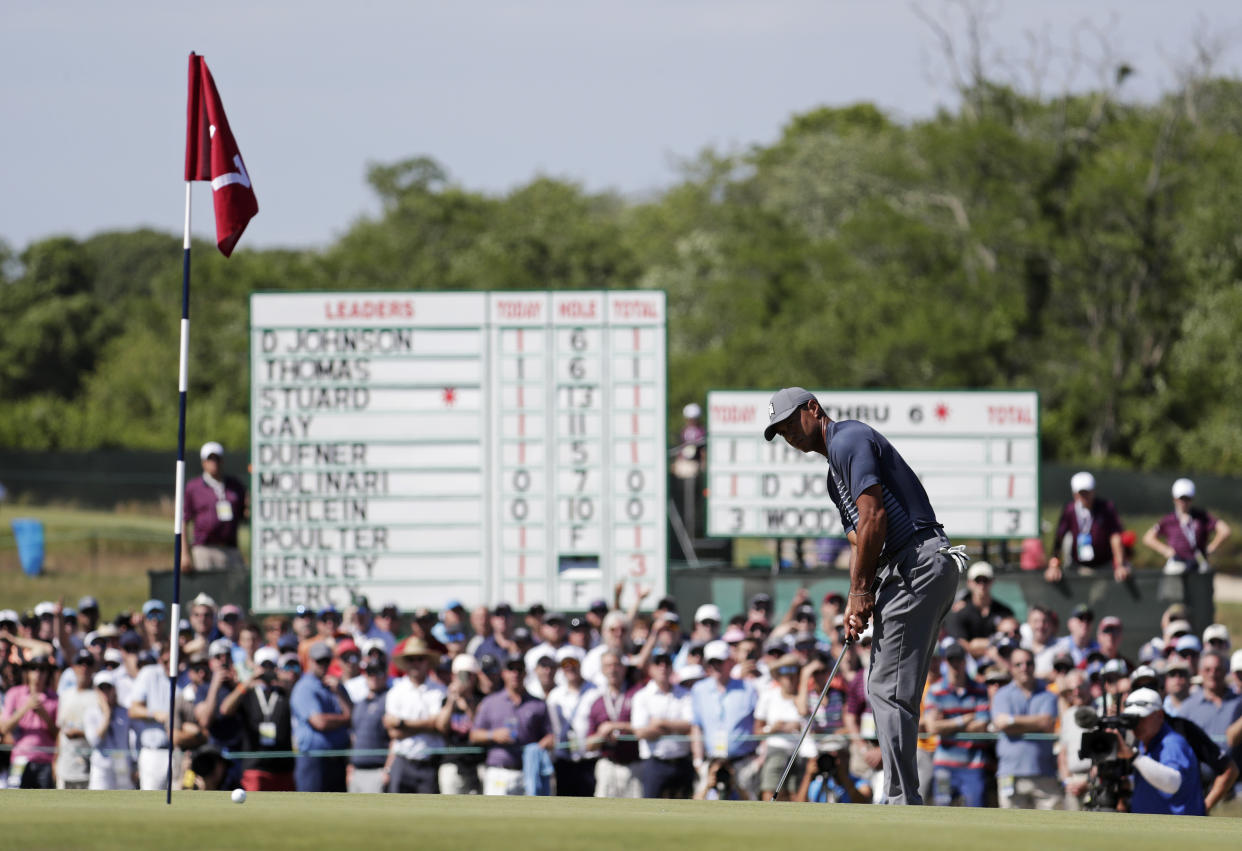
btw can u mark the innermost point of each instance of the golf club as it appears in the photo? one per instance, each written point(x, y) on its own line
point(794, 754)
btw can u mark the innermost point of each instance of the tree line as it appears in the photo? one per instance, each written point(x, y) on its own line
point(1082, 245)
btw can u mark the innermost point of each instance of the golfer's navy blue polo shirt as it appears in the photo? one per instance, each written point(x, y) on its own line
point(859, 457)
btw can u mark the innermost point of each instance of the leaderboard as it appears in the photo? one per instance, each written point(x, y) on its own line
point(976, 453)
point(420, 447)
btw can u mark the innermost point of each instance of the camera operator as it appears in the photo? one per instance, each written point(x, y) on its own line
point(828, 780)
point(721, 784)
point(1166, 770)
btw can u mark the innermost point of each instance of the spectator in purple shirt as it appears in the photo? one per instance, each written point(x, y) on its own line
point(215, 506)
point(1188, 535)
point(1088, 534)
point(505, 723)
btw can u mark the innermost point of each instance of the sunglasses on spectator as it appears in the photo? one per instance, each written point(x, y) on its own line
point(374, 669)
point(1187, 652)
point(787, 671)
point(662, 660)
point(268, 666)
point(199, 667)
point(351, 658)
point(1062, 669)
point(1177, 673)
point(156, 615)
point(1111, 630)
point(112, 665)
point(983, 580)
point(1025, 663)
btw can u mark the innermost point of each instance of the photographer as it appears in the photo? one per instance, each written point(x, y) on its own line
point(1166, 770)
point(828, 780)
point(721, 784)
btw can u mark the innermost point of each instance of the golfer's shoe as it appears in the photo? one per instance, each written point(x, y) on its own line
point(958, 554)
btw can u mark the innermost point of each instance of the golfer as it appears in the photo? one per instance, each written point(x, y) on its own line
point(902, 569)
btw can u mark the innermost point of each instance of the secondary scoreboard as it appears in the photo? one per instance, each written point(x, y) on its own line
point(421, 447)
point(976, 452)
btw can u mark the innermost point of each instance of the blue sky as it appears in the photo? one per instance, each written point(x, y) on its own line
point(607, 94)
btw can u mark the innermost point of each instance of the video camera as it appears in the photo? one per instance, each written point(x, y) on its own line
point(1110, 781)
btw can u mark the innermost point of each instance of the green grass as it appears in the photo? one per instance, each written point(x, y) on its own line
point(133, 820)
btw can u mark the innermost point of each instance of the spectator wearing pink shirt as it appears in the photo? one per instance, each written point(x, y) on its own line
point(30, 716)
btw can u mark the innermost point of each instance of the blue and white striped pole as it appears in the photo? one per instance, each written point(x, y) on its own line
point(179, 501)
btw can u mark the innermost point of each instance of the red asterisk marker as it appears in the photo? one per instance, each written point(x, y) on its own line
point(942, 412)
point(450, 395)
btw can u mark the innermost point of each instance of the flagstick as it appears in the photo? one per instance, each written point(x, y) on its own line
point(179, 505)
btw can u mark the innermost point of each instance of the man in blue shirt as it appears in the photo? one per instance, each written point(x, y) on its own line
point(1166, 770)
point(1216, 707)
point(724, 714)
point(1026, 770)
point(902, 568)
point(321, 715)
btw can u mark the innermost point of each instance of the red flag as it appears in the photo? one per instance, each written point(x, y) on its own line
point(211, 154)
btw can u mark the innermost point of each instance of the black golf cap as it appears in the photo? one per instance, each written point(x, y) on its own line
point(783, 403)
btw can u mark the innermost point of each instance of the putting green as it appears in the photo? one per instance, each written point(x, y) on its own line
point(133, 820)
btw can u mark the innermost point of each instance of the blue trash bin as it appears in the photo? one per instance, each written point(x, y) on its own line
point(29, 535)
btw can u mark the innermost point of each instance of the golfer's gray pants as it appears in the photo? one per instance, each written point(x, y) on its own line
point(914, 591)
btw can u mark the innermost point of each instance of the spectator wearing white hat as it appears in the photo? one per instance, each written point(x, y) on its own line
point(223, 731)
point(693, 436)
point(107, 729)
point(569, 708)
point(1216, 637)
point(215, 507)
point(724, 717)
point(706, 628)
point(1188, 535)
point(1235, 669)
point(975, 622)
point(1166, 770)
point(261, 707)
point(1088, 535)
point(461, 770)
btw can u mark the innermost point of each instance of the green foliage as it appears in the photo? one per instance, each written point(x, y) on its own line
point(1080, 245)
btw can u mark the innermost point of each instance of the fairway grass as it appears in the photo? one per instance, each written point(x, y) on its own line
point(209, 820)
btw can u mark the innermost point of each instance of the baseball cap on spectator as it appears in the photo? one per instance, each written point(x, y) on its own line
point(554, 617)
point(1176, 629)
point(599, 607)
point(1142, 702)
point(302, 612)
point(789, 664)
point(488, 663)
point(570, 652)
point(391, 610)
point(761, 601)
point(755, 624)
point(220, 647)
point(112, 656)
point(84, 657)
point(715, 651)
point(707, 612)
point(412, 647)
point(1149, 652)
point(733, 635)
point(1110, 622)
point(153, 607)
point(502, 609)
point(466, 664)
point(1004, 644)
point(521, 635)
point(537, 609)
point(204, 599)
point(835, 597)
point(10, 617)
point(1114, 668)
point(319, 652)
point(1143, 676)
point(210, 448)
point(1082, 481)
point(1183, 487)
point(289, 661)
point(690, 674)
point(671, 620)
point(954, 652)
point(374, 644)
point(804, 639)
point(1063, 662)
point(266, 656)
point(667, 603)
point(660, 655)
point(287, 643)
point(88, 603)
point(346, 645)
point(1216, 632)
point(131, 642)
point(546, 659)
point(579, 625)
point(1176, 663)
point(45, 609)
point(103, 678)
point(1235, 662)
point(230, 611)
point(782, 404)
point(1188, 643)
point(1083, 612)
point(805, 612)
point(980, 569)
point(107, 630)
point(328, 611)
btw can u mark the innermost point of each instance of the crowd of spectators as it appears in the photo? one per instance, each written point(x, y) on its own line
point(612, 703)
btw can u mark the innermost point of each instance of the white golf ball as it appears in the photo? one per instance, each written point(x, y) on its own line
point(239, 796)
